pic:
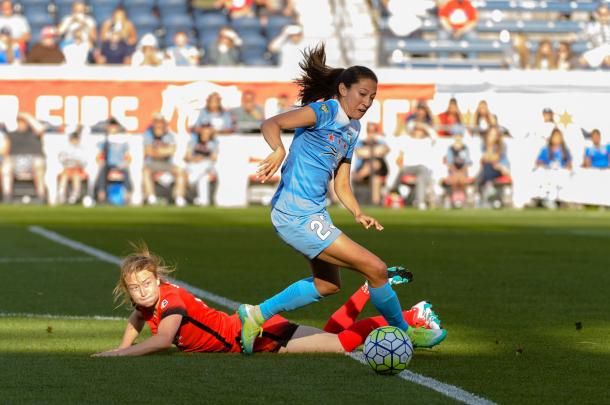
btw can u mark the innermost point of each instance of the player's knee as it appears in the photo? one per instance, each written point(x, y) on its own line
point(378, 273)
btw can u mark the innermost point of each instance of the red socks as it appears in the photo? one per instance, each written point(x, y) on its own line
point(346, 315)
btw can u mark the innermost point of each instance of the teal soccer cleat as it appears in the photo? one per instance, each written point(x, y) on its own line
point(399, 275)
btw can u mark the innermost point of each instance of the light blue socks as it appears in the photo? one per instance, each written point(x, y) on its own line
point(297, 295)
point(386, 301)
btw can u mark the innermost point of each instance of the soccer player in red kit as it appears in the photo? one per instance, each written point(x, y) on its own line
point(176, 317)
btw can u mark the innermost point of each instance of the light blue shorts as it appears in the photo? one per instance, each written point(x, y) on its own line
point(309, 235)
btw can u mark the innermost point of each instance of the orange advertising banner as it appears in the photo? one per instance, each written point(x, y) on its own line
point(71, 102)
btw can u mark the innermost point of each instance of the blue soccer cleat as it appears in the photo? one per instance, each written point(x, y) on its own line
point(399, 275)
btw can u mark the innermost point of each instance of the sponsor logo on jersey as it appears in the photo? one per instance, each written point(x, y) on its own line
point(324, 108)
point(164, 304)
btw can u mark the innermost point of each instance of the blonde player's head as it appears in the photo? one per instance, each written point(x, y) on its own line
point(142, 272)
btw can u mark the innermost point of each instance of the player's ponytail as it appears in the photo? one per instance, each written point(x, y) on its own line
point(321, 82)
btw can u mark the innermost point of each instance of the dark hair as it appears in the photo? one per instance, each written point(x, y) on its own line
point(565, 153)
point(321, 82)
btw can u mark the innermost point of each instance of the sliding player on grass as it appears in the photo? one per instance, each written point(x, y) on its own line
point(176, 317)
point(322, 148)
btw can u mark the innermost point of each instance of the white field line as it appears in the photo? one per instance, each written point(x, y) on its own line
point(448, 390)
point(45, 259)
point(54, 316)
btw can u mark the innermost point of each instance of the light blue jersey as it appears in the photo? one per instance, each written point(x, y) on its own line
point(314, 156)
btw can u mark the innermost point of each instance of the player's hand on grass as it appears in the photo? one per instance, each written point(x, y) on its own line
point(367, 222)
point(268, 167)
point(109, 353)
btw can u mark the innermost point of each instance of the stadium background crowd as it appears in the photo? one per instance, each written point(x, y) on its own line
point(552, 35)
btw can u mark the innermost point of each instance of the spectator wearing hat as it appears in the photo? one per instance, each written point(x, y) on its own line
point(23, 155)
point(201, 155)
point(113, 159)
point(17, 25)
point(159, 151)
point(46, 51)
point(225, 52)
point(148, 53)
point(289, 45)
point(10, 53)
point(597, 155)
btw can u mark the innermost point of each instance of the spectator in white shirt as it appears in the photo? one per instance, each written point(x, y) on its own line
point(181, 53)
point(18, 25)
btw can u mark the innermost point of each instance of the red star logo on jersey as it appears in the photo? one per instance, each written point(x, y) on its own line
point(331, 137)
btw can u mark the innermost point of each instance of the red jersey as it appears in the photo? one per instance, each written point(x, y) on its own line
point(458, 13)
point(203, 329)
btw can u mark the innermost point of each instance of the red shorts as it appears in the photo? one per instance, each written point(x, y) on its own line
point(277, 331)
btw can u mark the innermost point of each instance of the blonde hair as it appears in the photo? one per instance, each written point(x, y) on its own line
point(141, 259)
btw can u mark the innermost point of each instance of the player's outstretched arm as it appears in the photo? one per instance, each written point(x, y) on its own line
point(132, 330)
point(271, 130)
point(344, 191)
point(161, 341)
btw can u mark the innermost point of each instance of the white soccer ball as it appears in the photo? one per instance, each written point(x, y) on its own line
point(388, 350)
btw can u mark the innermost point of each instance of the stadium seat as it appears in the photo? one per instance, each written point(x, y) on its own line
point(210, 21)
point(173, 7)
point(38, 18)
point(104, 3)
point(137, 9)
point(178, 21)
point(247, 26)
point(255, 41)
point(102, 12)
point(145, 22)
point(275, 25)
point(206, 38)
point(35, 8)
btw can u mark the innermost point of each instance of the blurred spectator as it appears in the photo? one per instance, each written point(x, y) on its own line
point(494, 161)
point(458, 18)
point(225, 52)
point(458, 161)
point(548, 116)
point(264, 8)
point(201, 155)
point(237, 8)
point(518, 55)
point(555, 160)
point(597, 155)
point(76, 52)
point(113, 160)
point(181, 53)
point(450, 120)
point(564, 58)
point(10, 53)
point(17, 24)
point(415, 152)
point(289, 45)
point(249, 115)
point(556, 154)
point(597, 34)
point(483, 119)
point(73, 159)
point(371, 166)
point(114, 51)
point(421, 120)
point(215, 115)
point(283, 103)
point(46, 51)
point(78, 23)
point(545, 56)
point(406, 17)
point(120, 24)
point(148, 53)
point(23, 156)
point(159, 150)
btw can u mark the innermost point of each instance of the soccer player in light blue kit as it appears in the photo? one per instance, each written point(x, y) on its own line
point(325, 137)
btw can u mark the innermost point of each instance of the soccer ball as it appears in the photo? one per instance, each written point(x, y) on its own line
point(388, 350)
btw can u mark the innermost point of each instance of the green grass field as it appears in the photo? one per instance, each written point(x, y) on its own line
point(509, 286)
